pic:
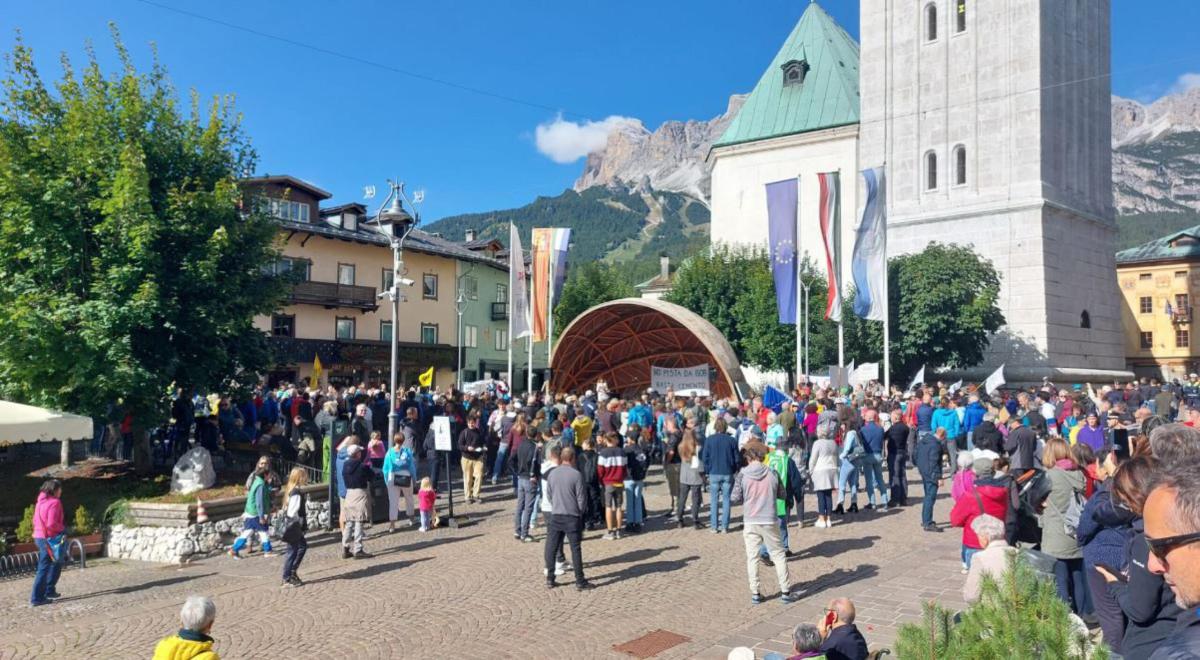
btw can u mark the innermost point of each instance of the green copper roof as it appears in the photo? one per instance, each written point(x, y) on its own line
point(1176, 246)
point(828, 96)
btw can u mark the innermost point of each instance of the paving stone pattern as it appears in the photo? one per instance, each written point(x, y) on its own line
point(477, 592)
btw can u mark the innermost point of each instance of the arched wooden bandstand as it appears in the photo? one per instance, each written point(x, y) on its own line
point(619, 341)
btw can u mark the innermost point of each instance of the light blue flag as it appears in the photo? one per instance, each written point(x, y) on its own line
point(869, 262)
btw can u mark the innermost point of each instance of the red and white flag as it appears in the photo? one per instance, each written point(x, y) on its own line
point(831, 222)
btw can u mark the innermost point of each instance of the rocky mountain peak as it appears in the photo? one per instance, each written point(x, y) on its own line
point(670, 158)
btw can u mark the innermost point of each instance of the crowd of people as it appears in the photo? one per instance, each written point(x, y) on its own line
point(1066, 472)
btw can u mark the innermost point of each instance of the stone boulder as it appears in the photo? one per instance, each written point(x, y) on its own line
point(193, 472)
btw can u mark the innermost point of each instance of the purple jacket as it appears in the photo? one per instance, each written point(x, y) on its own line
point(1092, 437)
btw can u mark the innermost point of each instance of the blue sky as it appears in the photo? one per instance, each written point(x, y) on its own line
point(343, 124)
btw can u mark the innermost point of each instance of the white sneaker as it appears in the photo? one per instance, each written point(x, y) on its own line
point(559, 569)
point(820, 524)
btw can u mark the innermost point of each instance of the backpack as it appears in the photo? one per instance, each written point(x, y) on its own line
point(1073, 513)
point(857, 451)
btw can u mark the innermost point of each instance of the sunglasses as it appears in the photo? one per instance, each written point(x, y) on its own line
point(1164, 546)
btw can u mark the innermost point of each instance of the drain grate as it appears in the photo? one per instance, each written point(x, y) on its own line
point(651, 644)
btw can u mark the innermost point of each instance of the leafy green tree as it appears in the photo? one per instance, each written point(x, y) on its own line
point(128, 257)
point(589, 285)
point(943, 308)
point(732, 288)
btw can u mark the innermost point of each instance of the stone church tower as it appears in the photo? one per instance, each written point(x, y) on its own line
point(992, 118)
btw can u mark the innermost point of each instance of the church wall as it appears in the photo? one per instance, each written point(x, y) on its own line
point(741, 172)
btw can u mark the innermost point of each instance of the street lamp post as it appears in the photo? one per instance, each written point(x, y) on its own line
point(395, 223)
point(460, 306)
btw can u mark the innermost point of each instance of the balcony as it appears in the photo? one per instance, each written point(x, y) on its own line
point(331, 295)
point(1181, 315)
point(499, 311)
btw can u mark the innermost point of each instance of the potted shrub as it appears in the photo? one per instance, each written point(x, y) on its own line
point(87, 531)
point(25, 533)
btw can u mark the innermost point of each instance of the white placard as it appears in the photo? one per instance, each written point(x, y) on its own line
point(688, 381)
point(441, 433)
point(865, 373)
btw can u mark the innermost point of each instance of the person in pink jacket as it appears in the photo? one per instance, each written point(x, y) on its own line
point(47, 525)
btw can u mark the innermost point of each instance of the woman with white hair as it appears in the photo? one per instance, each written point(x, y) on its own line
point(806, 643)
point(356, 475)
point(823, 466)
point(991, 560)
point(192, 642)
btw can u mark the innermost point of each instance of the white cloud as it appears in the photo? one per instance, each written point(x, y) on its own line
point(1186, 81)
point(565, 141)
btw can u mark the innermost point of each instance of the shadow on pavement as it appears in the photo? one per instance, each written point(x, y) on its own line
point(633, 556)
point(834, 547)
point(134, 588)
point(837, 578)
point(428, 543)
point(638, 570)
point(370, 570)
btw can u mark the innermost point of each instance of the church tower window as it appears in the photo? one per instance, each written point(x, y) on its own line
point(960, 16)
point(931, 19)
point(960, 165)
point(931, 171)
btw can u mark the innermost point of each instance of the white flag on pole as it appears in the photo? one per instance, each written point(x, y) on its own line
point(918, 380)
point(956, 386)
point(519, 297)
point(994, 381)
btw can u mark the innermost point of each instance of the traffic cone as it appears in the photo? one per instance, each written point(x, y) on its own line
point(201, 514)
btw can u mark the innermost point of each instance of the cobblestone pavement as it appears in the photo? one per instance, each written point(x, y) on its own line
point(476, 592)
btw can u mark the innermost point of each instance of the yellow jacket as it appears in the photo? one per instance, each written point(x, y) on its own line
point(178, 648)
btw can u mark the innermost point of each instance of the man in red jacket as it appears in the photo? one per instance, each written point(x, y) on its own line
point(989, 496)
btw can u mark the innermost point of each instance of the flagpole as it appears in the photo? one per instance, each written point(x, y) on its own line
point(800, 311)
point(550, 309)
point(529, 386)
point(508, 312)
point(881, 183)
point(837, 265)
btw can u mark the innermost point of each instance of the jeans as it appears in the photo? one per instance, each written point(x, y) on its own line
point(48, 570)
point(848, 475)
point(498, 467)
point(755, 535)
point(1072, 585)
point(719, 485)
point(426, 519)
point(686, 490)
point(526, 496)
point(431, 466)
point(570, 528)
point(966, 554)
point(824, 502)
point(671, 473)
point(763, 551)
point(898, 478)
point(633, 502)
point(872, 467)
point(295, 555)
point(353, 533)
point(931, 489)
point(1108, 610)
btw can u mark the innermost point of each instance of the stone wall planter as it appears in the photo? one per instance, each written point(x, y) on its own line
point(167, 533)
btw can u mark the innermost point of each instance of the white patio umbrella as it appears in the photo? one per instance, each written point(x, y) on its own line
point(20, 424)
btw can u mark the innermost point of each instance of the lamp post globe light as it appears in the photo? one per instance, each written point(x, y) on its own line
point(395, 223)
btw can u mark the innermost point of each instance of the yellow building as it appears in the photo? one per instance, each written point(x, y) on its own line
point(334, 313)
point(1158, 281)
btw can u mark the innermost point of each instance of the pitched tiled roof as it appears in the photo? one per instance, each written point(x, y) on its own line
point(288, 180)
point(1176, 246)
point(418, 240)
point(828, 97)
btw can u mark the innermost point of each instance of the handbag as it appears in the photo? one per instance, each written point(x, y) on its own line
point(402, 480)
point(56, 545)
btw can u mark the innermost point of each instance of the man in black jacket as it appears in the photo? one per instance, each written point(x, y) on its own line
point(527, 465)
point(897, 460)
point(843, 641)
point(1172, 521)
point(928, 457)
point(987, 436)
point(1021, 444)
point(473, 447)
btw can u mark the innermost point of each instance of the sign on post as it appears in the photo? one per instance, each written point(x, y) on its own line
point(688, 381)
point(441, 433)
